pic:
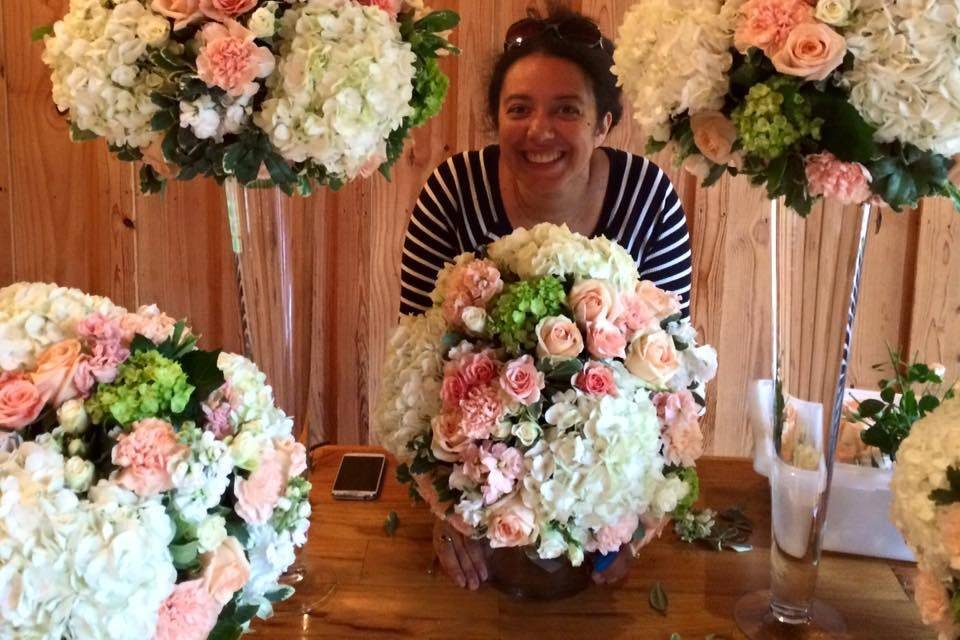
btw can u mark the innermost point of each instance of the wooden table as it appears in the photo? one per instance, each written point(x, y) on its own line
point(361, 583)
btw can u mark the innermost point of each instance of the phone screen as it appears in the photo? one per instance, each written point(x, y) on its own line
point(359, 473)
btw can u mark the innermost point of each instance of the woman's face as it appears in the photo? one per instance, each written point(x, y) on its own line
point(548, 122)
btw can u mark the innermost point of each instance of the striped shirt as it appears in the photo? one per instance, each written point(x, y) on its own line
point(460, 209)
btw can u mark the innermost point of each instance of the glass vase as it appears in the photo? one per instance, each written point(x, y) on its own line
point(816, 263)
point(520, 573)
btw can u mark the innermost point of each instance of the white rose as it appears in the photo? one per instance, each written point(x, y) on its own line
point(246, 449)
point(211, 532)
point(77, 447)
point(474, 319)
point(833, 12)
point(153, 29)
point(502, 430)
point(262, 23)
point(73, 417)
point(528, 432)
point(78, 474)
point(552, 544)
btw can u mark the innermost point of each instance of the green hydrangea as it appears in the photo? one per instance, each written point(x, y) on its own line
point(774, 117)
point(688, 475)
point(430, 86)
point(148, 385)
point(518, 309)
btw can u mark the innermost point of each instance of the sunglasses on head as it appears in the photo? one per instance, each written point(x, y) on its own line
point(579, 31)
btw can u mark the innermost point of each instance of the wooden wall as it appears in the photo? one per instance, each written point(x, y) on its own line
point(71, 214)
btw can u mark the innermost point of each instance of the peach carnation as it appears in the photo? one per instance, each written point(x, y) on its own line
point(189, 613)
point(827, 176)
point(146, 455)
point(229, 59)
point(765, 24)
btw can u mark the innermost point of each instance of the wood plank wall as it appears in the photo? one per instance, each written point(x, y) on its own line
point(71, 214)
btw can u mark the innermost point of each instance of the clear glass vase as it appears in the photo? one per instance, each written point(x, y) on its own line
point(816, 264)
point(521, 574)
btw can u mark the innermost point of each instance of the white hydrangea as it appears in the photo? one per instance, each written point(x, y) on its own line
point(548, 249)
point(673, 56)
point(208, 118)
point(344, 81)
point(905, 78)
point(202, 477)
point(71, 569)
point(270, 553)
point(34, 315)
point(411, 381)
point(922, 461)
point(257, 411)
point(96, 62)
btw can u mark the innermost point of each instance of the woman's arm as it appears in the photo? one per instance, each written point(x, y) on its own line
point(666, 261)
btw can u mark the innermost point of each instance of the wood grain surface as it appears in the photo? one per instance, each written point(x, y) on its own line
point(70, 213)
point(362, 583)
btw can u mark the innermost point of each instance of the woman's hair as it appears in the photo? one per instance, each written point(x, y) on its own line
point(593, 61)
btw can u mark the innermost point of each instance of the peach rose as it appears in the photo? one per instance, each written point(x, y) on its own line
point(229, 59)
point(258, 494)
point(452, 390)
point(477, 369)
point(392, 7)
point(636, 316)
point(931, 597)
point(449, 440)
point(811, 51)
point(222, 10)
point(182, 12)
point(146, 455)
point(188, 613)
point(20, 401)
point(56, 370)
point(653, 358)
point(522, 381)
point(662, 303)
point(596, 379)
point(765, 24)
point(714, 135)
point(605, 340)
point(512, 524)
point(558, 337)
point(592, 299)
point(225, 570)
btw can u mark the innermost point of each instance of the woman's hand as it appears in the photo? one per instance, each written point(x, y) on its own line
point(620, 567)
point(461, 557)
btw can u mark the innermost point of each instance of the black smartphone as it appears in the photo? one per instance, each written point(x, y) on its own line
point(360, 476)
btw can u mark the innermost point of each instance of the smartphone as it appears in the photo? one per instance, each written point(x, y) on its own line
point(360, 476)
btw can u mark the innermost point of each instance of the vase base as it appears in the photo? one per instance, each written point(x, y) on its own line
point(515, 573)
point(757, 621)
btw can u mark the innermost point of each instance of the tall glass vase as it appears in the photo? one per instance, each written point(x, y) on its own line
point(816, 264)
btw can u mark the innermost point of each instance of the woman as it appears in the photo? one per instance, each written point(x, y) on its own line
point(552, 99)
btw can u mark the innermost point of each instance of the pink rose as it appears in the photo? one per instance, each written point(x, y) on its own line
point(477, 369)
point(452, 390)
point(392, 7)
point(932, 598)
point(714, 135)
point(828, 176)
point(512, 524)
point(225, 570)
point(189, 613)
point(558, 337)
point(653, 358)
point(481, 410)
point(682, 437)
point(765, 24)
point(20, 401)
point(258, 494)
point(229, 59)
point(56, 369)
point(222, 10)
point(605, 340)
point(449, 439)
point(610, 538)
point(662, 303)
point(812, 50)
point(146, 455)
point(522, 381)
point(636, 316)
point(182, 12)
point(596, 379)
point(948, 522)
point(592, 299)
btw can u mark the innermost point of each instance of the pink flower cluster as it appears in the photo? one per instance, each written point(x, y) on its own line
point(472, 284)
point(827, 176)
point(217, 408)
point(106, 340)
point(493, 466)
point(258, 494)
point(679, 418)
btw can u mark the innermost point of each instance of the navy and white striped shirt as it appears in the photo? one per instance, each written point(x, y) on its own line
point(460, 209)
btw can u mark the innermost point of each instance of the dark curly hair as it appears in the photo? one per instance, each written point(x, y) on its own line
point(594, 62)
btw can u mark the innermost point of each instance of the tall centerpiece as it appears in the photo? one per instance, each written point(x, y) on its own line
point(854, 101)
point(547, 403)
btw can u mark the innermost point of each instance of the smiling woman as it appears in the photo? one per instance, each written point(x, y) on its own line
point(553, 100)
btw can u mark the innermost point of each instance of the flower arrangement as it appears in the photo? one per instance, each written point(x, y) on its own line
point(150, 489)
point(926, 510)
point(298, 94)
point(847, 99)
point(549, 398)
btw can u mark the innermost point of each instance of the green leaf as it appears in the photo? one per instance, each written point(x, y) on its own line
point(150, 180)
point(163, 120)
point(928, 404)
point(202, 372)
point(716, 172)
point(658, 599)
point(238, 529)
point(184, 555)
point(81, 135)
point(141, 343)
point(280, 171)
point(654, 146)
point(943, 497)
point(245, 613)
point(226, 630)
point(390, 524)
point(560, 370)
point(39, 33)
point(403, 474)
point(442, 20)
point(281, 594)
point(870, 407)
point(844, 131)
